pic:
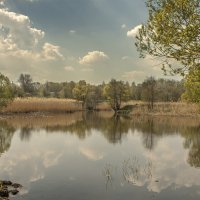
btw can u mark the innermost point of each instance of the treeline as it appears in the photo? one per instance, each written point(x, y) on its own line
point(115, 92)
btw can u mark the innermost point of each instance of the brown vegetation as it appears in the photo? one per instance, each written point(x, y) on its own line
point(54, 105)
point(168, 109)
point(27, 105)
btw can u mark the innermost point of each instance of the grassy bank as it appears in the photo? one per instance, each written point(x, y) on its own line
point(168, 109)
point(54, 105)
point(29, 105)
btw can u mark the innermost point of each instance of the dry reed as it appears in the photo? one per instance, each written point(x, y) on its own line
point(29, 105)
point(26, 105)
point(168, 109)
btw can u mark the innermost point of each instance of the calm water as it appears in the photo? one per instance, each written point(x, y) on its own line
point(98, 156)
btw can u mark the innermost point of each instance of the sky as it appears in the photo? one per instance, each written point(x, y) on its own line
point(64, 40)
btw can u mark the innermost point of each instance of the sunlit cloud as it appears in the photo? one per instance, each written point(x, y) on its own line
point(51, 52)
point(93, 57)
point(133, 32)
point(18, 38)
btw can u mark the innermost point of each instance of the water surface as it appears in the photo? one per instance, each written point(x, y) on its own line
point(100, 156)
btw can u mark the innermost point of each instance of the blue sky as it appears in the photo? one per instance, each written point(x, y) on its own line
point(63, 40)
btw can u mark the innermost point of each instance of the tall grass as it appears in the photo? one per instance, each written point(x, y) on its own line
point(168, 109)
point(29, 105)
point(26, 105)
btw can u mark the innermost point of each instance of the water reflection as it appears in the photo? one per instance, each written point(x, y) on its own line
point(113, 128)
point(59, 147)
point(6, 134)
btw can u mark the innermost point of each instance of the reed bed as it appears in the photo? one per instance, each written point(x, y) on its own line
point(168, 109)
point(28, 105)
point(51, 105)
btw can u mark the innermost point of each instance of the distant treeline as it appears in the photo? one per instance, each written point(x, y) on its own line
point(150, 90)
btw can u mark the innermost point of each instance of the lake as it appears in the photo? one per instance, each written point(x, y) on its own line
point(98, 156)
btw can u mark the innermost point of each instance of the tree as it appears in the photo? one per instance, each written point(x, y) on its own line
point(80, 92)
point(6, 93)
point(192, 86)
point(148, 92)
point(26, 81)
point(116, 92)
point(172, 32)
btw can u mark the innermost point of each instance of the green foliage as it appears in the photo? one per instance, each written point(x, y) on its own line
point(149, 91)
point(26, 81)
point(6, 92)
point(116, 92)
point(172, 33)
point(80, 91)
point(192, 86)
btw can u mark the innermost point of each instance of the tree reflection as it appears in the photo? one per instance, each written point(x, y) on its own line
point(113, 128)
point(192, 142)
point(6, 135)
point(25, 133)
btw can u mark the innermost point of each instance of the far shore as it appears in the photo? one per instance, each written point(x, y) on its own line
point(48, 106)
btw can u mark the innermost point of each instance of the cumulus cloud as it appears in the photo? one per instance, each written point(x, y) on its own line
point(19, 30)
point(51, 52)
point(18, 38)
point(69, 68)
point(93, 57)
point(133, 32)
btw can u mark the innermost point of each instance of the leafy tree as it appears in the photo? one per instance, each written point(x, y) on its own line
point(149, 91)
point(192, 86)
point(169, 90)
point(80, 91)
point(172, 32)
point(6, 93)
point(116, 92)
point(26, 81)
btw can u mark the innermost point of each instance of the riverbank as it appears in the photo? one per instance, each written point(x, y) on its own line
point(179, 109)
point(47, 106)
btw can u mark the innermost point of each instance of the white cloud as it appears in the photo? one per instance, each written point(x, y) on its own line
point(133, 32)
point(93, 57)
point(19, 39)
point(72, 31)
point(51, 52)
point(69, 68)
point(123, 26)
point(19, 30)
point(134, 75)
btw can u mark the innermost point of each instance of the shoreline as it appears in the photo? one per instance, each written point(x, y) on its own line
point(54, 113)
point(46, 107)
